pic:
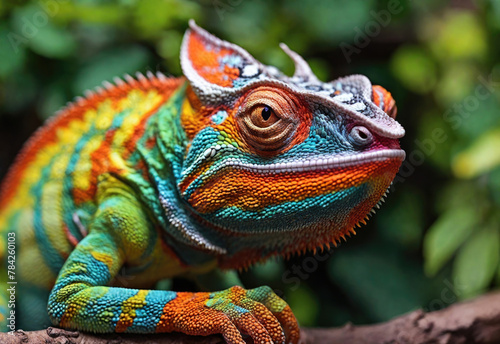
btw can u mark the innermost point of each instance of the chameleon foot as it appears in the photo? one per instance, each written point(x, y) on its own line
point(259, 313)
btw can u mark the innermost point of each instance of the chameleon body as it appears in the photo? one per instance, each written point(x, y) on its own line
point(158, 177)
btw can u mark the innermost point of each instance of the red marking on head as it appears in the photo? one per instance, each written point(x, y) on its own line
point(383, 99)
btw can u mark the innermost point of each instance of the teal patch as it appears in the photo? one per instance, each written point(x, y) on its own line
point(219, 117)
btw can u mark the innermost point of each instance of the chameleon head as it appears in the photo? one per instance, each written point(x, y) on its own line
point(281, 164)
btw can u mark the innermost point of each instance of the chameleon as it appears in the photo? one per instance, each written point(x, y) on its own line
point(156, 177)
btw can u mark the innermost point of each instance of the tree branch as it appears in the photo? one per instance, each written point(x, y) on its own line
point(476, 321)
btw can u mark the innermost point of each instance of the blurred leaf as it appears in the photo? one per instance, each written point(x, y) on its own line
point(34, 24)
point(446, 235)
point(455, 83)
point(108, 64)
point(494, 187)
point(153, 15)
point(169, 44)
point(93, 12)
point(304, 304)
point(375, 281)
point(168, 47)
point(53, 42)
point(12, 52)
point(457, 195)
point(435, 139)
point(473, 116)
point(320, 68)
point(481, 157)
point(414, 68)
point(477, 262)
point(332, 23)
point(457, 35)
point(248, 23)
point(493, 14)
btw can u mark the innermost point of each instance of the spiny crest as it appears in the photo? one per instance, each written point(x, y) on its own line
point(128, 82)
point(220, 71)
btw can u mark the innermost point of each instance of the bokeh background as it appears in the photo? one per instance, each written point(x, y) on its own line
point(434, 242)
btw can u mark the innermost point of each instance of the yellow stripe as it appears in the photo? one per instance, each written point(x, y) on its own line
point(83, 168)
point(102, 117)
point(32, 268)
point(139, 105)
point(129, 308)
point(104, 258)
point(52, 208)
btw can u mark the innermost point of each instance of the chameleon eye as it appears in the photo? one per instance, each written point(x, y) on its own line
point(263, 116)
point(268, 120)
point(266, 113)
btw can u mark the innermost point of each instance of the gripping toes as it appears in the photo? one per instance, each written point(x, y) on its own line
point(259, 313)
point(279, 309)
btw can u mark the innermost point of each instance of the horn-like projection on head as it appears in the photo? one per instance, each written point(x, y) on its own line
point(302, 69)
point(214, 66)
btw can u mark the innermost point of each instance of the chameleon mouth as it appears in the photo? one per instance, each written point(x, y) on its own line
point(323, 163)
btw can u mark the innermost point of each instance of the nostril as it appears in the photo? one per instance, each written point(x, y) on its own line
point(361, 136)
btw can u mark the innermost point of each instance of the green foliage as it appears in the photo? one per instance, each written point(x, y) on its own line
point(477, 261)
point(414, 68)
point(51, 41)
point(109, 63)
point(440, 61)
point(375, 281)
point(305, 305)
point(480, 158)
point(446, 235)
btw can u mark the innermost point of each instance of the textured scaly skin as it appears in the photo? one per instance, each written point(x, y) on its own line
point(158, 177)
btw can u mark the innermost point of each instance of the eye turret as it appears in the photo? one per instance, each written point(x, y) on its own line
point(269, 119)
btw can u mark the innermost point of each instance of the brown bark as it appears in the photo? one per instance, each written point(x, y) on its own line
point(476, 321)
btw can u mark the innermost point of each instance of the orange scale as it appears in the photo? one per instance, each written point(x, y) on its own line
point(283, 189)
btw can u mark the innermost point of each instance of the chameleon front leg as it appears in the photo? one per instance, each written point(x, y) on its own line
point(82, 300)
